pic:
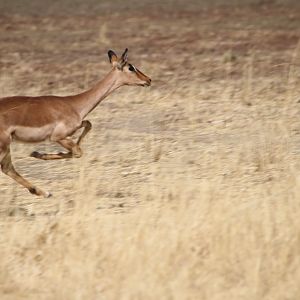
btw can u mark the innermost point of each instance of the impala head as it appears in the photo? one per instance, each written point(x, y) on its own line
point(128, 74)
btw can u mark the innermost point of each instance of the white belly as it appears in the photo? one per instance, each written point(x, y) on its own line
point(32, 134)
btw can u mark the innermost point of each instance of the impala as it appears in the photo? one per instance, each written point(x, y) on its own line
point(55, 118)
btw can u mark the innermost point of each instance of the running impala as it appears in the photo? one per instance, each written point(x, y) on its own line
point(55, 118)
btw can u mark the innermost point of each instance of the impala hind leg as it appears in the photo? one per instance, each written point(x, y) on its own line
point(69, 144)
point(8, 169)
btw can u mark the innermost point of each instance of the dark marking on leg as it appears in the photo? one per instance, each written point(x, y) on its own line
point(32, 190)
point(36, 154)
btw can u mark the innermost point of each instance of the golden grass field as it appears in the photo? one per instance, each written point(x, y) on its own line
point(189, 189)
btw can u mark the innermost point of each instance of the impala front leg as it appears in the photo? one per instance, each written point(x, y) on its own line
point(74, 151)
point(87, 125)
point(74, 148)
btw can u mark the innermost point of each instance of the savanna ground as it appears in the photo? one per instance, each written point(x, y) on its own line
point(187, 190)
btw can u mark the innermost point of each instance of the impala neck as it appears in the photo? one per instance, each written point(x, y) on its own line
point(84, 103)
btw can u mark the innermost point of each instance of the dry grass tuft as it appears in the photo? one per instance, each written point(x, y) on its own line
point(187, 190)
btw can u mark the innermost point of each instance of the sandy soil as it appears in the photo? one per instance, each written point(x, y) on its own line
point(219, 128)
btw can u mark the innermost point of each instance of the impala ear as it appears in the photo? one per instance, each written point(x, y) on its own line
point(113, 58)
point(124, 58)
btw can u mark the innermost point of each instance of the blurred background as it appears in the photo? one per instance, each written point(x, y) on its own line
point(188, 189)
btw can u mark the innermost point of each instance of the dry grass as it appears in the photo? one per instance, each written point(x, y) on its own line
point(187, 190)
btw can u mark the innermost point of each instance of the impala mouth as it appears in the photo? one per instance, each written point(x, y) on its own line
point(147, 83)
point(144, 84)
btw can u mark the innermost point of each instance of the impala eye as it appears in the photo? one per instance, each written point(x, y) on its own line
point(131, 68)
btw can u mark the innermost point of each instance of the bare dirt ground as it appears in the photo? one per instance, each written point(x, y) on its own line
point(188, 189)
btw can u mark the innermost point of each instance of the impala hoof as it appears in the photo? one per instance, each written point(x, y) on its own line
point(36, 154)
point(38, 192)
point(48, 195)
